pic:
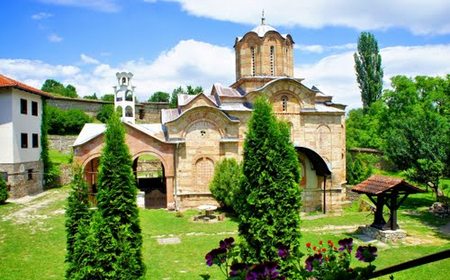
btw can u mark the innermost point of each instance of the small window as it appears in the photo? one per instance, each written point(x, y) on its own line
point(24, 140)
point(35, 140)
point(141, 114)
point(23, 106)
point(34, 108)
point(284, 101)
point(30, 174)
point(124, 81)
point(252, 50)
point(272, 60)
point(128, 111)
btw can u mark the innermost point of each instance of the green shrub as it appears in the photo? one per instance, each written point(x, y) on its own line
point(105, 113)
point(359, 167)
point(3, 190)
point(62, 122)
point(225, 184)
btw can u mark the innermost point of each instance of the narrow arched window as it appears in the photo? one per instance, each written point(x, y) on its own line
point(284, 103)
point(124, 81)
point(272, 60)
point(253, 66)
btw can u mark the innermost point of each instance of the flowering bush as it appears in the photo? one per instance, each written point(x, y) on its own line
point(325, 261)
point(329, 262)
point(226, 256)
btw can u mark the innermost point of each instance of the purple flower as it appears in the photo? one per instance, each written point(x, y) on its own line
point(283, 252)
point(366, 253)
point(267, 270)
point(215, 256)
point(237, 269)
point(227, 243)
point(346, 244)
point(311, 260)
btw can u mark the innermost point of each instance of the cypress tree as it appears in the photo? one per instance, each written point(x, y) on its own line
point(269, 214)
point(114, 240)
point(369, 73)
point(77, 216)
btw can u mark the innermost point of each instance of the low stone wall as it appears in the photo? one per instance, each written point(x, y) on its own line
point(312, 200)
point(23, 178)
point(90, 107)
point(65, 174)
point(187, 201)
point(385, 236)
point(62, 143)
point(146, 112)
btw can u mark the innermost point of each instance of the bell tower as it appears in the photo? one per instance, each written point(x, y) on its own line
point(264, 52)
point(124, 100)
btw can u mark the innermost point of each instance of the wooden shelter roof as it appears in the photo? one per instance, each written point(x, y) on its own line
point(378, 184)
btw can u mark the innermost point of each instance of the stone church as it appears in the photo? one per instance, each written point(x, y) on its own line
point(210, 126)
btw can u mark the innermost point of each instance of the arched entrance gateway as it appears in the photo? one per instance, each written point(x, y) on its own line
point(150, 177)
point(314, 173)
point(91, 175)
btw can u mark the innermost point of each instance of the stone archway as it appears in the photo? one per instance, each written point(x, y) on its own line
point(90, 169)
point(150, 174)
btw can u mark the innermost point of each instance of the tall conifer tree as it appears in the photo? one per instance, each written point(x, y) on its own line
point(114, 240)
point(77, 216)
point(269, 213)
point(369, 73)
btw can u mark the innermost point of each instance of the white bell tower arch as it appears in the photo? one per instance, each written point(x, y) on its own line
point(124, 99)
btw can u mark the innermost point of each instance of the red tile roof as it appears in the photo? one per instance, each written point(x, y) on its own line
point(6, 82)
point(378, 184)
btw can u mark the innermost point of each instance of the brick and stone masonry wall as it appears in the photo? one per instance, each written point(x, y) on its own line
point(146, 112)
point(61, 143)
point(23, 178)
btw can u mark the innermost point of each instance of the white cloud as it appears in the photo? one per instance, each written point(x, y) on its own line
point(197, 63)
point(109, 6)
point(88, 60)
point(41, 16)
point(54, 38)
point(335, 74)
point(190, 62)
point(322, 48)
point(418, 16)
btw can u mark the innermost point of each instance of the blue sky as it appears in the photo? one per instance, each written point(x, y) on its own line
point(167, 43)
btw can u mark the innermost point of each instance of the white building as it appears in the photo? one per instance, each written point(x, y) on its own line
point(20, 136)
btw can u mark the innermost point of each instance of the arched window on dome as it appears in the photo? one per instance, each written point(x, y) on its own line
point(124, 81)
point(284, 103)
point(272, 60)
point(253, 66)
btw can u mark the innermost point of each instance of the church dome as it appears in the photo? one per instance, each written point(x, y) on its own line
point(262, 29)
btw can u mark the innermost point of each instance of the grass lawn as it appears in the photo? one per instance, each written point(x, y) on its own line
point(32, 239)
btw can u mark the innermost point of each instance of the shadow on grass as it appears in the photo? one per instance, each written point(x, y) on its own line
point(416, 207)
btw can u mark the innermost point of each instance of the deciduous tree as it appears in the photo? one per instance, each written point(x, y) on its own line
point(159, 96)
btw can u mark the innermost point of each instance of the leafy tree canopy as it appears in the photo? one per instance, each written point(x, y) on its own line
point(180, 90)
point(159, 96)
point(58, 88)
point(92, 97)
point(108, 97)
